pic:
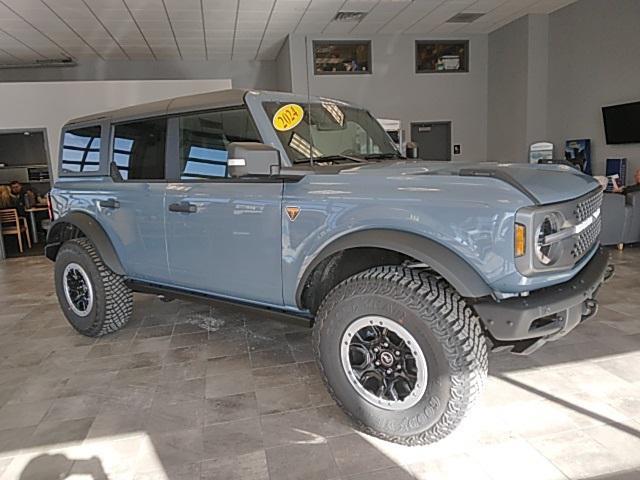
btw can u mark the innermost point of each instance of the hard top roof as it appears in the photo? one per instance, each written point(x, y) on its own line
point(218, 99)
point(201, 101)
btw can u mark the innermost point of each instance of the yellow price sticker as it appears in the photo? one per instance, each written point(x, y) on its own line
point(288, 117)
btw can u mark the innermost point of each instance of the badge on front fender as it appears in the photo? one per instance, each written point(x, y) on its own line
point(292, 212)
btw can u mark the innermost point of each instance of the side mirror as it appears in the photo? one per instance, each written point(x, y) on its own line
point(252, 158)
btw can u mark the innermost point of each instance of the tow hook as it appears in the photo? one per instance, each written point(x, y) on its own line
point(609, 272)
point(589, 309)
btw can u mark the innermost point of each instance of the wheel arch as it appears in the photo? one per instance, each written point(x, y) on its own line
point(81, 224)
point(392, 246)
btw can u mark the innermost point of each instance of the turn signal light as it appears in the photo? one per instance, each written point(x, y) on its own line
point(520, 240)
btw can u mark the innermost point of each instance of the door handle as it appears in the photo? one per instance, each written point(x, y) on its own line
point(183, 207)
point(109, 203)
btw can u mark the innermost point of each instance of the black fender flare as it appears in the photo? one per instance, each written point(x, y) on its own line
point(453, 268)
point(91, 229)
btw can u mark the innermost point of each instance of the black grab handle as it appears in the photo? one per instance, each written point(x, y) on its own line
point(183, 207)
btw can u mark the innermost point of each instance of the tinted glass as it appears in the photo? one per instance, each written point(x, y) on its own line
point(81, 150)
point(138, 149)
point(204, 139)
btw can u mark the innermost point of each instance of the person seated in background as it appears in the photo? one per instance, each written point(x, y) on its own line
point(5, 196)
point(20, 198)
point(629, 188)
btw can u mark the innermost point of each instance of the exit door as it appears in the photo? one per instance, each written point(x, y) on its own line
point(433, 140)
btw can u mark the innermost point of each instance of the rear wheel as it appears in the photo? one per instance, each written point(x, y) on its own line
point(401, 353)
point(94, 299)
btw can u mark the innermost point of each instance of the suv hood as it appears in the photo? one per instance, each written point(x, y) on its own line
point(543, 184)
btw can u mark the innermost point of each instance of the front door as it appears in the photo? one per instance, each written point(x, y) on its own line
point(433, 139)
point(223, 234)
point(131, 207)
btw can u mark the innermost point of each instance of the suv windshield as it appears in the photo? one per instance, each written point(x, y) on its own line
point(331, 133)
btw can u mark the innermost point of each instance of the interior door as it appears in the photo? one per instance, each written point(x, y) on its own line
point(433, 139)
point(223, 234)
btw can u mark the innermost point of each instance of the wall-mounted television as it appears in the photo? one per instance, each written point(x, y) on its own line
point(622, 123)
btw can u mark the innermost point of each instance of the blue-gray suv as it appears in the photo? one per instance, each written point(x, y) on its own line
point(410, 271)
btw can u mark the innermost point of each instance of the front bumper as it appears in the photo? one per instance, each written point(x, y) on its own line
point(524, 324)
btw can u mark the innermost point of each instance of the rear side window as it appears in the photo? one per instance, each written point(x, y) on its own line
point(204, 139)
point(81, 150)
point(138, 149)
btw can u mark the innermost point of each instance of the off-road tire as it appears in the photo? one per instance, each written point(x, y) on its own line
point(113, 302)
point(448, 331)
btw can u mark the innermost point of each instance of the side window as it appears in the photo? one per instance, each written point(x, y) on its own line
point(138, 149)
point(81, 150)
point(204, 138)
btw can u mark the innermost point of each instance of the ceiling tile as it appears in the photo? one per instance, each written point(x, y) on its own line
point(98, 27)
point(151, 5)
point(409, 15)
point(437, 16)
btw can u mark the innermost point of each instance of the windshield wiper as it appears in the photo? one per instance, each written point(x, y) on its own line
point(333, 158)
point(383, 156)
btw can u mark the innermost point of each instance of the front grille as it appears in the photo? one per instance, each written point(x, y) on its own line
point(585, 239)
point(587, 207)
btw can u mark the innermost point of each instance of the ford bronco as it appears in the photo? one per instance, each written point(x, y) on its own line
point(410, 271)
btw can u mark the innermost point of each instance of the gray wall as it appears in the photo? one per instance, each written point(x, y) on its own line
point(283, 67)
point(507, 97)
point(594, 60)
point(243, 74)
point(395, 91)
point(537, 78)
point(549, 76)
point(518, 79)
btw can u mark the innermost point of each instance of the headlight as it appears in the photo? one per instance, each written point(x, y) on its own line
point(547, 252)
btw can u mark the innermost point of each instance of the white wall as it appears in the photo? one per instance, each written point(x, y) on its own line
point(594, 60)
point(243, 73)
point(51, 104)
point(395, 91)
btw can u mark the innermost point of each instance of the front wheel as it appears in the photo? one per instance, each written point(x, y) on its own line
point(401, 353)
point(94, 299)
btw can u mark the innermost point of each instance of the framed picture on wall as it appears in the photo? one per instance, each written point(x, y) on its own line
point(442, 56)
point(342, 57)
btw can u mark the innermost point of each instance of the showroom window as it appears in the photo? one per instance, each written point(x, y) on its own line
point(341, 57)
point(81, 150)
point(204, 139)
point(138, 149)
point(442, 56)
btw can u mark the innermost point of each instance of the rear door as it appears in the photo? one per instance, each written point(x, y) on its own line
point(223, 234)
point(132, 205)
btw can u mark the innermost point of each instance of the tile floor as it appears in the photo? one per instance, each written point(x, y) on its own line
point(188, 391)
